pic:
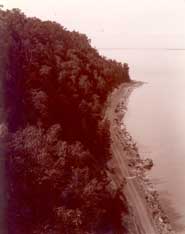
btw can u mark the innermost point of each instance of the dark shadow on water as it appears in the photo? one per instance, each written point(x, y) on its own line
point(169, 209)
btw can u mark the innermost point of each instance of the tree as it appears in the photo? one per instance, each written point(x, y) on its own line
point(54, 90)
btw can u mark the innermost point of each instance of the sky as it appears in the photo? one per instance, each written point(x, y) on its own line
point(115, 23)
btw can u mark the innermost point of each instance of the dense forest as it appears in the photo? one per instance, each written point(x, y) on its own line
point(55, 141)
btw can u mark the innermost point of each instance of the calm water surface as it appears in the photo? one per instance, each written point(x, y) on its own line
point(156, 120)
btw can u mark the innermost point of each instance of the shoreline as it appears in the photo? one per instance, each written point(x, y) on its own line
point(143, 200)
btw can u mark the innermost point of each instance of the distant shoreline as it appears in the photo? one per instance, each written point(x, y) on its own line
point(170, 49)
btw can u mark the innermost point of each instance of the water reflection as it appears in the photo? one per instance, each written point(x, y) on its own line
point(174, 216)
point(155, 119)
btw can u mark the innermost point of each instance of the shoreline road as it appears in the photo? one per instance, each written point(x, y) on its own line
point(142, 220)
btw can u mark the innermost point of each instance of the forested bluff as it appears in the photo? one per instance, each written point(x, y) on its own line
point(54, 139)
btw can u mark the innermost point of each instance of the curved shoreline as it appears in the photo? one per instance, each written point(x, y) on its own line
point(145, 210)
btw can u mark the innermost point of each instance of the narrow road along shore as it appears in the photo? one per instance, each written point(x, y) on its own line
point(142, 220)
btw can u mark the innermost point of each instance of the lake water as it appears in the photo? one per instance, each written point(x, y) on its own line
point(156, 120)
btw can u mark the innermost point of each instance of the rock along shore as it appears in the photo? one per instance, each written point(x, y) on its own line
point(136, 168)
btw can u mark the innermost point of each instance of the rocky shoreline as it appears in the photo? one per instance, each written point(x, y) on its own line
point(137, 167)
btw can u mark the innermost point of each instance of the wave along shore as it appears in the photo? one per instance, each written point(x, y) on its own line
point(146, 215)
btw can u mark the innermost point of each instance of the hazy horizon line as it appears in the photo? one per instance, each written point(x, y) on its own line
point(136, 48)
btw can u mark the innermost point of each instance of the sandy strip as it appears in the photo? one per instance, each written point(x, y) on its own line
point(146, 215)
